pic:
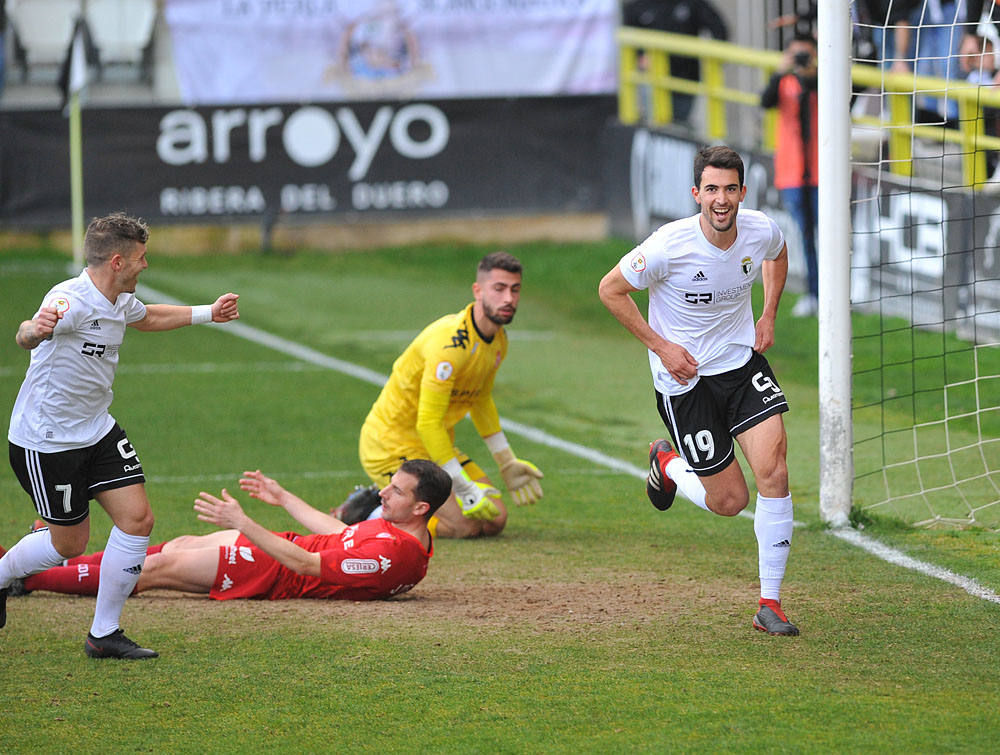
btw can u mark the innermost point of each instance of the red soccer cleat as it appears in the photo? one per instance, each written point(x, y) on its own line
point(659, 487)
point(771, 619)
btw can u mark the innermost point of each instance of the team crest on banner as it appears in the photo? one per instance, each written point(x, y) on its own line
point(379, 54)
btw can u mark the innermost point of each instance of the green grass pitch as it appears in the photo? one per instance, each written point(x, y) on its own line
point(593, 624)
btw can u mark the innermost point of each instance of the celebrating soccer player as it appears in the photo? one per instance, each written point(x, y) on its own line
point(65, 447)
point(712, 382)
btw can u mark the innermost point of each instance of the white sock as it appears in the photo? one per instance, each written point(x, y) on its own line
point(124, 556)
point(31, 554)
point(772, 524)
point(376, 512)
point(688, 483)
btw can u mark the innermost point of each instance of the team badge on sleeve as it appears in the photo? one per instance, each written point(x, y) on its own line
point(443, 371)
point(638, 262)
point(59, 303)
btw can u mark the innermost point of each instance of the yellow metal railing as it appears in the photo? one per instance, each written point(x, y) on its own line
point(895, 120)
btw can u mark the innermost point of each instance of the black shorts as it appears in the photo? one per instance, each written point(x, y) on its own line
point(61, 484)
point(704, 421)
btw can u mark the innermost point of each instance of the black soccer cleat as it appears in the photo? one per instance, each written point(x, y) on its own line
point(16, 589)
point(359, 505)
point(116, 645)
point(771, 619)
point(659, 487)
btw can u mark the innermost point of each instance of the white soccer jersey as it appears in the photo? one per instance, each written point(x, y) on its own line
point(699, 295)
point(64, 399)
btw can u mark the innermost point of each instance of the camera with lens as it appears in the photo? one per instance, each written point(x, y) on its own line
point(802, 59)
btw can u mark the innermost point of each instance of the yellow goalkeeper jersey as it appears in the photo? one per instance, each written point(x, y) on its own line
point(445, 373)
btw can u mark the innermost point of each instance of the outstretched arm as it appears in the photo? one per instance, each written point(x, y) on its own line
point(226, 512)
point(170, 316)
point(268, 490)
point(616, 294)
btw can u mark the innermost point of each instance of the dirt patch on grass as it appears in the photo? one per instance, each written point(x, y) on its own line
point(535, 605)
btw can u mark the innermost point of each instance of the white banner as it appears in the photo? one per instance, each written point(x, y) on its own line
point(330, 50)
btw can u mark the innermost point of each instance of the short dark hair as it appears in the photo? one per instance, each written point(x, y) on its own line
point(719, 156)
point(502, 260)
point(113, 234)
point(433, 483)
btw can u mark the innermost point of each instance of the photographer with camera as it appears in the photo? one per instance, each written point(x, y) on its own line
point(792, 89)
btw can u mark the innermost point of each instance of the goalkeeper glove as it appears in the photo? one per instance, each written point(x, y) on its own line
point(474, 498)
point(521, 477)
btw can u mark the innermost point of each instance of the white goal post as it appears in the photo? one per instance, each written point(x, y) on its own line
point(836, 435)
point(909, 263)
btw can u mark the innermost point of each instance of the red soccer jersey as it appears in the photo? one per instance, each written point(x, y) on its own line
point(368, 561)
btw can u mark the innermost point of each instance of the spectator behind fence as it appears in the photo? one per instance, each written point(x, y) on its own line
point(977, 61)
point(793, 90)
point(925, 42)
point(680, 17)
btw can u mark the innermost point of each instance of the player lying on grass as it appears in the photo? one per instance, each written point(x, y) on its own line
point(377, 558)
point(446, 373)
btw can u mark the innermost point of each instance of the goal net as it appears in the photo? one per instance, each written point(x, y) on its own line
point(925, 264)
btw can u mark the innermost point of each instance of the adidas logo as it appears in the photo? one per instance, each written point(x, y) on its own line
point(95, 325)
point(782, 544)
point(654, 476)
point(136, 570)
point(699, 277)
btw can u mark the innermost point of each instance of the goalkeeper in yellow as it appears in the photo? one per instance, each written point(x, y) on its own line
point(446, 373)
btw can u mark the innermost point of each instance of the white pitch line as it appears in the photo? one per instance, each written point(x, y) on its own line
point(306, 354)
point(163, 368)
point(899, 558)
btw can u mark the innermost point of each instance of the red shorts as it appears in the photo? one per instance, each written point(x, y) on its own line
point(244, 571)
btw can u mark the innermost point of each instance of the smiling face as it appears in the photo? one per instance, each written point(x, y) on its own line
point(719, 197)
point(131, 264)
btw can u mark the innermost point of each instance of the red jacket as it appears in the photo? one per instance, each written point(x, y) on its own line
point(788, 94)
